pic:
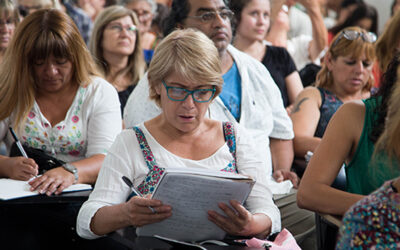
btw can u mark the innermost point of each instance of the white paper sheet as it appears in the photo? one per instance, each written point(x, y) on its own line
point(12, 189)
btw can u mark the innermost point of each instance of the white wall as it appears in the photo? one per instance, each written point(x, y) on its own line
point(383, 7)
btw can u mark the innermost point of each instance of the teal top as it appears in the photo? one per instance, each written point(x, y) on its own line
point(363, 175)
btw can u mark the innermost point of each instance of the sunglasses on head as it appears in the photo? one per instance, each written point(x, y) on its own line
point(352, 35)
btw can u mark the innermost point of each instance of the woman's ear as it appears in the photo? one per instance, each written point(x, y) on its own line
point(328, 59)
point(157, 88)
point(179, 26)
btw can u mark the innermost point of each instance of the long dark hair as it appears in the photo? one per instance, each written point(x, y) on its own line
point(388, 81)
point(362, 11)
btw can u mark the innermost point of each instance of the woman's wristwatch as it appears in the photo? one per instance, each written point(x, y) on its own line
point(72, 169)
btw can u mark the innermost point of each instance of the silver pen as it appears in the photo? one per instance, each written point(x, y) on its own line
point(130, 184)
point(18, 143)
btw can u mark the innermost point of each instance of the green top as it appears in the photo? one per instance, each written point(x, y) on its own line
point(362, 176)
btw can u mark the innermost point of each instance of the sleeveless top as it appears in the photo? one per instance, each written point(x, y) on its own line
point(358, 171)
point(155, 172)
point(329, 105)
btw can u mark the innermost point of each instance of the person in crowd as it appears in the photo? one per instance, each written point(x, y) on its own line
point(228, 105)
point(115, 45)
point(373, 221)
point(386, 46)
point(9, 18)
point(53, 98)
point(345, 76)
point(146, 10)
point(249, 96)
point(349, 138)
point(49, 62)
point(184, 77)
point(252, 24)
point(346, 8)
point(364, 16)
point(158, 20)
point(304, 49)
point(81, 19)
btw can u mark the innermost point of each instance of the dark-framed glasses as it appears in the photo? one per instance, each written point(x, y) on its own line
point(352, 35)
point(210, 16)
point(119, 28)
point(180, 94)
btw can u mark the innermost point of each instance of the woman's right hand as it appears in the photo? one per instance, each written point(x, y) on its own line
point(139, 213)
point(20, 168)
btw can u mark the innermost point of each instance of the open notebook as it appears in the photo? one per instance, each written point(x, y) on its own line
point(13, 189)
point(191, 193)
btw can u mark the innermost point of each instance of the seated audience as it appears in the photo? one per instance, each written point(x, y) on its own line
point(345, 76)
point(252, 24)
point(349, 138)
point(115, 45)
point(364, 16)
point(49, 62)
point(373, 222)
point(146, 11)
point(9, 18)
point(184, 77)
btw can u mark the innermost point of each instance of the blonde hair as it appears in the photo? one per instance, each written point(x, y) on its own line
point(189, 53)
point(344, 47)
point(8, 9)
point(389, 141)
point(136, 64)
point(41, 34)
point(388, 42)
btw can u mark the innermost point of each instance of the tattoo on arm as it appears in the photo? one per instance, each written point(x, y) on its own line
point(297, 106)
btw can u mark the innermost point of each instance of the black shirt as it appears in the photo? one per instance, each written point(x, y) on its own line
point(279, 64)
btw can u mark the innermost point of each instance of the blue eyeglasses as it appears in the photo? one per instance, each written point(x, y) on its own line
point(180, 94)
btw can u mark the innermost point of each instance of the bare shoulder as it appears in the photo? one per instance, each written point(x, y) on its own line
point(349, 118)
point(354, 110)
point(310, 91)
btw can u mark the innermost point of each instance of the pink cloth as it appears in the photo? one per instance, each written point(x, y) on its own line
point(283, 241)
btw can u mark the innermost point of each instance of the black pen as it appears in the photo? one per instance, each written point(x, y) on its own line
point(19, 145)
point(130, 184)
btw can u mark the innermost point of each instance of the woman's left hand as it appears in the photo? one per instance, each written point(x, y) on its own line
point(53, 181)
point(237, 221)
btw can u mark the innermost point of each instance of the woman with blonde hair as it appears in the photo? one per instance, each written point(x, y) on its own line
point(345, 76)
point(115, 46)
point(9, 18)
point(184, 77)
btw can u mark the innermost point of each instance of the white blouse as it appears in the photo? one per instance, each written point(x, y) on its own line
point(90, 125)
point(125, 158)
